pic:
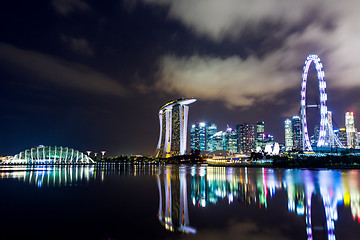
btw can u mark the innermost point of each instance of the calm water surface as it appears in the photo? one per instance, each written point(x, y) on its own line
point(172, 201)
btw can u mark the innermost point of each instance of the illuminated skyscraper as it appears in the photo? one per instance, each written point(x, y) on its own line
point(260, 129)
point(211, 130)
point(350, 129)
point(217, 141)
point(315, 137)
point(341, 135)
point(194, 137)
point(246, 138)
point(173, 118)
point(296, 133)
point(288, 135)
point(231, 140)
point(201, 136)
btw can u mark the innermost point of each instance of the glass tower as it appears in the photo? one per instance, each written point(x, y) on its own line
point(296, 133)
point(260, 129)
point(350, 129)
point(288, 135)
point(211, 130)
point(231, 140)
point(246, 137)
point(194, 137)
point(202, 136)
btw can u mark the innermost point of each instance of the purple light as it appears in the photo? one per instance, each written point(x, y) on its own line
point(323, 98)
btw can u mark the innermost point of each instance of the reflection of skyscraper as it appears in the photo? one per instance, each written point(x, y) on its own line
point(350, 129)
point(245, 137)
point(173, 118)
point(210, 185)
point(288, 135)
point(173, 206)
point(296, 133)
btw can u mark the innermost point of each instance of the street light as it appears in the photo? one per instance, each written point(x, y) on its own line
point(88, 153)
point(103, 153)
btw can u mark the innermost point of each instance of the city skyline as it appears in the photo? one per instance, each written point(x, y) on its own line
point(92, 75)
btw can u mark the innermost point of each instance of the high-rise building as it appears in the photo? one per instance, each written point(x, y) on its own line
point(341, 135)
point(315, 137)
point(198, 136)
point(211, 130)
point(350, 130)
point(218, 141)
point(268, 140)
point(201, 136)
point(231, 140)
point(329, 137)
point(173, 118)
point(288, 135)
point(194, 137)
point(246, 138)
point(296, 133)
point(260, 129)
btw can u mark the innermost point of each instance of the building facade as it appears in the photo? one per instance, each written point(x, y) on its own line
point(260, 133)
point(217, 141)
point(350, 129)
point(246, 138)
point(211, 130)
point(201, 136)
point(341, 135)
point(173, 118)
point(288, 135)
point(296, 133)
point(231, 140)
point(194, 137)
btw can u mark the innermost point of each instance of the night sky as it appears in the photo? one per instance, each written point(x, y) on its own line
point(92, 75)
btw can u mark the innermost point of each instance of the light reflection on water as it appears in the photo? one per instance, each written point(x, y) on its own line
point(211, 184)
point(49, 175)
point(182, 187)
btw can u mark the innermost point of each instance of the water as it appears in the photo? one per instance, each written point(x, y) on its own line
point(172, 201)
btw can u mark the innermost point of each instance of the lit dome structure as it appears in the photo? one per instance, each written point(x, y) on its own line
point(50, 155)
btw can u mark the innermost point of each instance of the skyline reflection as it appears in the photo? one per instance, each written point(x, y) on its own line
point(210, 185)
point(313, 195)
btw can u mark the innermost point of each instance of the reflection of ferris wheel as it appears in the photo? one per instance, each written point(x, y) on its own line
point(323, 107)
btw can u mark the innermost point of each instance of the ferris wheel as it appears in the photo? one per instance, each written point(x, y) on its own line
point(323, 108)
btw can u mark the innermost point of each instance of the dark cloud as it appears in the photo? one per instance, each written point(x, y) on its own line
point(129, 5)
point(232, 80)
point(58, 72)
point(65, 7)
point(278, 68)
point(78, 45)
